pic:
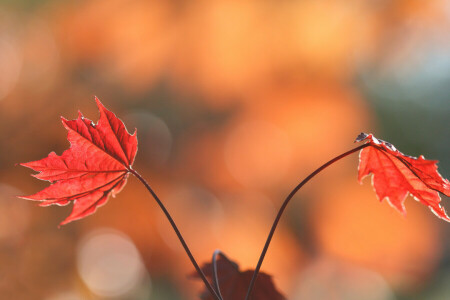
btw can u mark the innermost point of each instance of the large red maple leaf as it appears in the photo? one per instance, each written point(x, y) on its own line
point(396, 174)
point(94, 167)
point(233, 283)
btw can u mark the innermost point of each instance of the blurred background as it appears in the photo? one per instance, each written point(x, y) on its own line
point(235, 102)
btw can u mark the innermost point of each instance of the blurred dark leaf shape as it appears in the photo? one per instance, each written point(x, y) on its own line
point(396, 174)
point(234, 283)
point(94, 167)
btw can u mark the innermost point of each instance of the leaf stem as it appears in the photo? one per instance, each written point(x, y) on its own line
point(283, 207)
point(180, 237)
point(215, 275)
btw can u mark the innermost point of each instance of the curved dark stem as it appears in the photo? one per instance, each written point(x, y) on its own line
point(283, 207)
point(215, 275)
point(180, 237)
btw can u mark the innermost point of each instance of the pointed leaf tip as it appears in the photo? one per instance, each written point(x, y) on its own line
point(99, 104)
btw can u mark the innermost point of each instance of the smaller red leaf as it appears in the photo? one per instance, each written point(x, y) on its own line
point(234, 283)
point(94, 167)
point(396, 174)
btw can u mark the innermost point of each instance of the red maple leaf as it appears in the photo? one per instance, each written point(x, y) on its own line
point(95, 166)
point(234, 283)
point(396, 174)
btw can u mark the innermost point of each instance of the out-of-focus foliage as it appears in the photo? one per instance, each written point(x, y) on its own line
point(232, 100)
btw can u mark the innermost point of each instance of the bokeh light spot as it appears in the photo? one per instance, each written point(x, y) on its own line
point(327, 279)
point(155, 138)
point(109, 263)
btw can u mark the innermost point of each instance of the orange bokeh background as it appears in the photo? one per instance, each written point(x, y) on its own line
point(234, 102)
